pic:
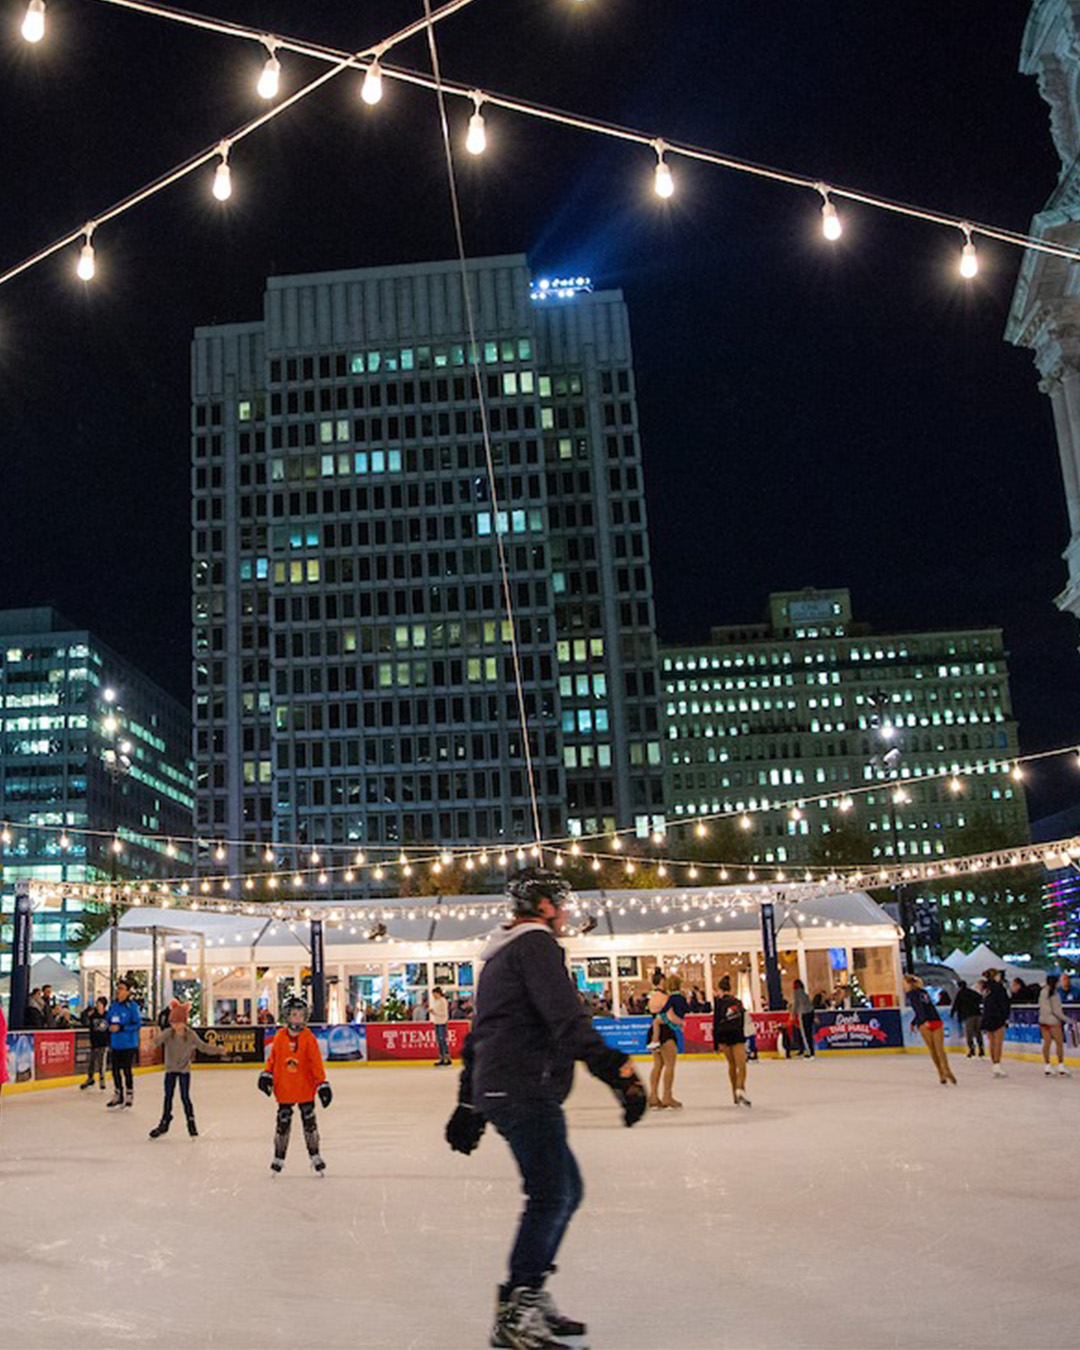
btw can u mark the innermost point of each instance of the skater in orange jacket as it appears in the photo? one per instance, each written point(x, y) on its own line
point(294, 1073)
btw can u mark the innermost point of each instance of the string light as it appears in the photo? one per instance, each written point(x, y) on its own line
point(223, 175)
point(270, 78)
point(219, 853)
point(663, 182)
point(86, 266)
point(969, 258)
point(65, 842)
point(371, 89)
point(33, 25)
point(476, 140)
point(831, 227)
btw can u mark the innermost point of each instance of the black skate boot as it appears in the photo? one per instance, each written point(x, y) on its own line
point(557, 1323)
point(117, 1099)
point(277, 1165)
point(317, 1164)
point(101, 1084)
point(83, 1086)
point(520, 1323)
point(192, 1128)
point(162, 1127)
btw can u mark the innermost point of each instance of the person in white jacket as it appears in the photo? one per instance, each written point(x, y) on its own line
point(440, 1017)
point(1052, 1025)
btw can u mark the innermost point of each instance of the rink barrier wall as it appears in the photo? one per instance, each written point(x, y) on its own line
point(45, 1059)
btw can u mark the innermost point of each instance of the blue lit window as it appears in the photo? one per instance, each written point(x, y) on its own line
point(378, 461)
point(584, 720)
point(568, 721)
point(360, 461)
point(393, 460)
point(601, 719)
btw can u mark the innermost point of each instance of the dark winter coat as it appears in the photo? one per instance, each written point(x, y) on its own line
point(97, 1023)
point(967, 1004)
point(530, 1025)
point(996, 1007)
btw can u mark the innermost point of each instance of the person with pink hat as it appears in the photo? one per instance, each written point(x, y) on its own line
point(179, 1042)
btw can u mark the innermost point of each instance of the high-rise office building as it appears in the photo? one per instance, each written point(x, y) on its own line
point(94, 769)
point(354, 683)
point(810, 704)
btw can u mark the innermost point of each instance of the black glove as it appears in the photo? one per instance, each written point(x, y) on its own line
point(464, 1129)
point(325, 1095)
point(163, 1019)
point(631, 1093)
point(266, 1082)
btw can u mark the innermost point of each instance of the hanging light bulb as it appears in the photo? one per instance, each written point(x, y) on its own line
point(219, 853)
point(476, 140)
point(969, 258)
point(33, 25)
point(270, 78)
point(223, 174)
point(86, 265)
point(268, 855)
point(663, 183)
point(65, 842)
point(831, 227)
point(371, 89)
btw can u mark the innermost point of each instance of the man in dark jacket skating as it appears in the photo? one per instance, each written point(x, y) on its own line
point(529, 1029)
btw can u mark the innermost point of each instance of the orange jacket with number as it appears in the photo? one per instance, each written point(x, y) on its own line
point(297, 1066)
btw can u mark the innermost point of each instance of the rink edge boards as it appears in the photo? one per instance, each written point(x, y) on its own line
point(13, 1089)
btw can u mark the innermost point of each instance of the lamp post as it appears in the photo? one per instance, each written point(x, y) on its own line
point(117, 759)
point(885, 760)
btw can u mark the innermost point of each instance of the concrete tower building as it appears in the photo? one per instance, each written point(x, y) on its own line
point(354, 683)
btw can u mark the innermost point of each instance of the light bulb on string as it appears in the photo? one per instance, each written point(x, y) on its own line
point(270, 77)
point(268, 855)
point(745, 822)
point(831, 227)
point(371, 89)
point(969, 258)
point(663, 183)
point(476, 139)
point(223, 174)
point(86, 266)
point(33, 24)
point(219, 853)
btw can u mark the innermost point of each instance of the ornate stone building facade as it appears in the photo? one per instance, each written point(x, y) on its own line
point(1045, 314)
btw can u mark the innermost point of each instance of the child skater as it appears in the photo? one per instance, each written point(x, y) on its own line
point(294, 1073)
point(180, 1043)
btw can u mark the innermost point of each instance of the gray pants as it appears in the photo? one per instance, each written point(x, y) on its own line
point(973, 1033)
point(97, 1063)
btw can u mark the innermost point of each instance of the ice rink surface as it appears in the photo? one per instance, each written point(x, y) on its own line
point(857, 1204)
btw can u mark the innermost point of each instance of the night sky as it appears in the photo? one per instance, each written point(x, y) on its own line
point(812, 415)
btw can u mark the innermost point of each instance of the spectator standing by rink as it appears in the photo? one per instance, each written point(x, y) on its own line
point(179, 1043)
point(125, 1021)
point(802, 1014)
point(1070, 992)
point(925, 1015)
point(995, 1016)
point(729, 1036)
point(96, 1020)
point(967, 1009)
point(440, 1017)
point(34, 1017)
point(1052, 1025)
point(518, 1069)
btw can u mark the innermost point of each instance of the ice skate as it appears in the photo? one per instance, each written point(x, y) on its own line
point(162, 1127)
point(672, 1105)
point(89, 1083)
point(652, 1045)
point(276, 1165)
point(101, 1085)
point(192, 1129)
point(1063, 1072)
point(520, 1323)
point(999, 1072)
point(317, 1165)
point(117, 1099)
point(557, 1323)
point(1048, 1069)
point(741, 1099)
point(129, 1097)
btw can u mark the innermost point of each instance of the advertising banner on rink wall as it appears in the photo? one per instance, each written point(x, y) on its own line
point(410, 1040)
point(20, 1057)
point(54, 1054)
point(860, 1029)
point(242, 1045)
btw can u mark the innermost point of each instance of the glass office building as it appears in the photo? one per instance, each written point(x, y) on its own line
point(354, 683)
point(87, 744)
point(810, 703)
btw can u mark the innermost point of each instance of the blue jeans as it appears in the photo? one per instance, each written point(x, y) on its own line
point(171, 1082)
point(536, 1133)
point(442, 1041)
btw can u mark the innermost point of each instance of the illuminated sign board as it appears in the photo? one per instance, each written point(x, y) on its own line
point(560, 288)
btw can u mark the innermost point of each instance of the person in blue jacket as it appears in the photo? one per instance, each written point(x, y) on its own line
point(125, 1020)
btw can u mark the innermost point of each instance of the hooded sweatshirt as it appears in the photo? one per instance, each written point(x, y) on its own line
point(180, 1045)
point(530, 1025)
